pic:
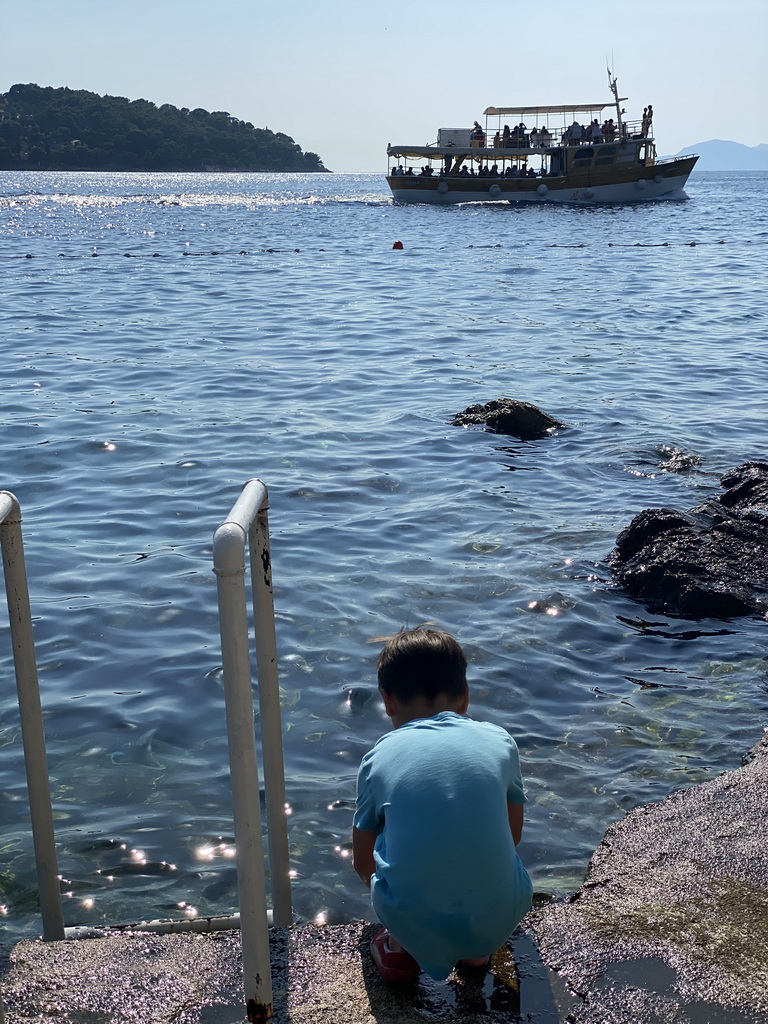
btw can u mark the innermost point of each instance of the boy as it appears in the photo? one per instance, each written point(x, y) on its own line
point(439, 813)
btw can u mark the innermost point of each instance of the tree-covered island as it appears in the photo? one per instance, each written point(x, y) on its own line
point(46, 129)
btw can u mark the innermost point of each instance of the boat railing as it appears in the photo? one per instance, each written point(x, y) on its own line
point(673, 159)
point(531, 138)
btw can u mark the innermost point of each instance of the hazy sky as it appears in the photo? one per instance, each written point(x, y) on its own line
point(345, 77)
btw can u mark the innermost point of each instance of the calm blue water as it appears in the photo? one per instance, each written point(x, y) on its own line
point(173, 336)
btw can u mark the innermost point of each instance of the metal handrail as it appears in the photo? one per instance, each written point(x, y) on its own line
point(30, 710)
point(248, 523)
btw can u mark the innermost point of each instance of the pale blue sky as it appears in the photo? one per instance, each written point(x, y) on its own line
point(345, 78)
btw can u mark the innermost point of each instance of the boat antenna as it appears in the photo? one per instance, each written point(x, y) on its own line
point(612, 83)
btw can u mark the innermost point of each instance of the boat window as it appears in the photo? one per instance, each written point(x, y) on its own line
point(606, 151)
point(582, 155)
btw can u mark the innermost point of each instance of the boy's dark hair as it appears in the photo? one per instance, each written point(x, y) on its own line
point(422, 662)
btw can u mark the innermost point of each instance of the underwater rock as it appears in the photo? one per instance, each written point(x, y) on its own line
point(508, 416)
point(672, 914)
point(708, 562)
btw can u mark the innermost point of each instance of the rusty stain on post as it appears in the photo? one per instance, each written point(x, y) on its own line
point(258, 1013)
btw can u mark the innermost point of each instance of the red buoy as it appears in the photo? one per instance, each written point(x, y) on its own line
point(398, 245)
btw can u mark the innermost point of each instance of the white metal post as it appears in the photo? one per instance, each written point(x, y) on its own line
point(271, 724)
point(30, 710)
point(229, 565)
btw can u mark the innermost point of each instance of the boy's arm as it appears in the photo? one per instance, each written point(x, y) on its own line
point(363, 842)
point(515, 812)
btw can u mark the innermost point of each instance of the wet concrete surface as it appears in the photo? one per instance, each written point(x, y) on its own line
point(670, 927)
point(318, 975)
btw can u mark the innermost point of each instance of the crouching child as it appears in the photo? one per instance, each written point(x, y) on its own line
point(439, 814)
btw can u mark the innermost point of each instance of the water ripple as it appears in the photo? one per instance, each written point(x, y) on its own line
point(276, 334)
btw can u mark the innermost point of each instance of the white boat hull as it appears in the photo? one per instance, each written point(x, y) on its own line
point(498, 190)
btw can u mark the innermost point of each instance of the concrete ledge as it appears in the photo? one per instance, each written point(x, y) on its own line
point(320, 976)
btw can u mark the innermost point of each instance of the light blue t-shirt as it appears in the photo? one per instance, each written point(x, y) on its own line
point(449, 884)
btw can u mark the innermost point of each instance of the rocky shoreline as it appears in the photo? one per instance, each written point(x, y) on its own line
point(672, 918)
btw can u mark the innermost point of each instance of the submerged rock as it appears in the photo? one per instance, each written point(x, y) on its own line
point(508, 416)
point(672, 918)
point(708, 562)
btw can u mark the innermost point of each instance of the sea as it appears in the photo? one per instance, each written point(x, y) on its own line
point(167, 337)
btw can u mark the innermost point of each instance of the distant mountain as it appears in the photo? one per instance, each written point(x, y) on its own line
point(719, 155)
point(45, 129)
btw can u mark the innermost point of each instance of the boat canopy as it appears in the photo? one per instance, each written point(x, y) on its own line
point(563, 108)
point(476, 153)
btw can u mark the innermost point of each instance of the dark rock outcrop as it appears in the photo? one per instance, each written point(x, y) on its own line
point(508, 416)
point(708, 562)
point(671, 923)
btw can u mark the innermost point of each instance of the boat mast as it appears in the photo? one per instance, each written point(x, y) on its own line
point(612, 83)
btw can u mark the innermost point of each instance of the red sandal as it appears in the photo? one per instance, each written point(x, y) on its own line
point(400, 967)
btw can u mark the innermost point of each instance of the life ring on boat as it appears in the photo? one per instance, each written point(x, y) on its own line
point(640, 184)
point(589, 194)
point(542, 190)
point(442, 187)
point(494, 191)
point(658, 179)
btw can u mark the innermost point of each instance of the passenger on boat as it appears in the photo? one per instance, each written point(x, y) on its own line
point(531, 172)
point(596, 132)
point(497, 140)
point(609, 130)
point(477, 134)
point(534, 138)
point(495, 171)
point(647, 120)
point(409, 171)
point(545, 138)
point(506, 137)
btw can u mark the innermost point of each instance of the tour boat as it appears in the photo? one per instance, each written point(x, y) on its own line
point(574, 154)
